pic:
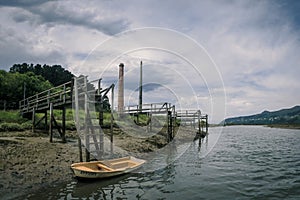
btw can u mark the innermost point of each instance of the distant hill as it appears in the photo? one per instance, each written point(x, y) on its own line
point(283, 116)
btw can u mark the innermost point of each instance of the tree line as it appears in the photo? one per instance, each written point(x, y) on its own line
point(55, 74)
point(25, 80)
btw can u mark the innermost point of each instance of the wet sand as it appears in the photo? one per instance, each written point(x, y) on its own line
point(29, 162)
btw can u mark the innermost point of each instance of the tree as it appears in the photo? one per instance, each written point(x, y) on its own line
point(21, 68)
point(12, 86)
point(55, 74)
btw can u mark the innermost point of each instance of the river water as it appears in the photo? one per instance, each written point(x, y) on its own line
point(238, 162)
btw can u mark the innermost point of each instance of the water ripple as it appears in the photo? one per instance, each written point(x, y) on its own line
point(246, 163)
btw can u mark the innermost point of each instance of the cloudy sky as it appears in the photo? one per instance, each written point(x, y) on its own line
point(195, 50)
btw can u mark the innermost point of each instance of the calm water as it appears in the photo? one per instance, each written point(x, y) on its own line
point(243, 162)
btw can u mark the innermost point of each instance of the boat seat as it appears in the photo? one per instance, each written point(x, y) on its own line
point(106, 168)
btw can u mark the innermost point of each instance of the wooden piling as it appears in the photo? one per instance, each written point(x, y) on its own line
point(80, 149)
point(64, 125)
point(206, 124)
point(76, 99)
point(101, 118)
point(169, 125)
point(46, 120)
point(51, 122)
point(86, 128)
point(100, 104)
point(33, 120)
point(199, 122)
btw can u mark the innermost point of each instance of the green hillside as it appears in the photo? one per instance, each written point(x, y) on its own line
point(283, 116)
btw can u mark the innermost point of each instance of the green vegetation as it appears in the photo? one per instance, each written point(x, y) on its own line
point(24, 80)
point(13, 121)
point(11, 117)
point(290, 116)
point(12, 87)
point(55, 74)
point(14, 127)
point(27, 80)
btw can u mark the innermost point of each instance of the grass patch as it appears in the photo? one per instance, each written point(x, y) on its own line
point(11, 117)
point(4, 127)
point(13, 121)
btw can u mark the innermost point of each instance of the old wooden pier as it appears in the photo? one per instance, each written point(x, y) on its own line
point(86, 99)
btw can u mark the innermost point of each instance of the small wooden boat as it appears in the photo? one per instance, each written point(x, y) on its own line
point(106, 168)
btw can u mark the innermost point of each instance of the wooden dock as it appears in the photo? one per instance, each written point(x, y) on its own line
point(82, 96)
point(195, 119)
point(59, 97)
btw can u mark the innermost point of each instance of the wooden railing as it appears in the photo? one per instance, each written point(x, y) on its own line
point(149, 108)
point(58, 96)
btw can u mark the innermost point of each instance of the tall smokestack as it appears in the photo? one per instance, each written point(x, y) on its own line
point(121, 88)
point(141, 88)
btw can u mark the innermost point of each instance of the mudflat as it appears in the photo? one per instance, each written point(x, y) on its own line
point(29, 163)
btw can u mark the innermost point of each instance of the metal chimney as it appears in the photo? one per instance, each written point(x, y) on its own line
point(141, 88)
point(121, 88)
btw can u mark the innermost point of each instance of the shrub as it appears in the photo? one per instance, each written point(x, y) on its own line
point(11, 117)
point(70, 125)
point(27, 125)
point(10, 127)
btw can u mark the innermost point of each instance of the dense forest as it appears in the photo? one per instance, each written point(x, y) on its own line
point(27, 80)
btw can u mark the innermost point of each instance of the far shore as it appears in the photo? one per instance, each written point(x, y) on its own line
point(286, 126)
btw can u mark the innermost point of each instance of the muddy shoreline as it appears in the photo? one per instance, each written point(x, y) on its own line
point(29, 162)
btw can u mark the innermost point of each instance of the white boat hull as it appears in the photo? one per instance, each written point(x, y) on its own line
point(106, 168)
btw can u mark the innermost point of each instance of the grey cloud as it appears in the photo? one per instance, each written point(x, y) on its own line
point(150, 87)
point(21, 3)
point(19, 49)
point(60, 12)
point(24, 16)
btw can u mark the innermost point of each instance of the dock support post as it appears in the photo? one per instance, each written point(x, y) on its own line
point(150, 116)
point(51, 122)
point(80, 149)
point(206, 124)
point(64, 125)
point(169, 125)
point(76, 99)
point(33, 120)
point(100, 104)
point(46, 120)
point(86, 128)
point(199, 121)
point(174, 121)
point(101, 137)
